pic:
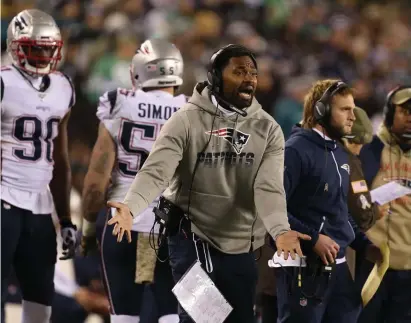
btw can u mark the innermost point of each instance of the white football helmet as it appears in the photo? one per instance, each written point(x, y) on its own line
point(34, 42)
point(157, 63)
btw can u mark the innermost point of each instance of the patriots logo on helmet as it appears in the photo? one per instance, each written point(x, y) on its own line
point(236, 138)
point(20, 23)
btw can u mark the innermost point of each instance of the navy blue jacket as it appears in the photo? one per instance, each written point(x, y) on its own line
point(316, 180)
point(371, 158)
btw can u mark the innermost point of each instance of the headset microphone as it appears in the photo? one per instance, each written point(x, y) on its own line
point(240, 112)
point(232, 107)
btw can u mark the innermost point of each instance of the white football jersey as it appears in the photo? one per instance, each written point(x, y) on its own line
point(29, 124)
point(134, 120)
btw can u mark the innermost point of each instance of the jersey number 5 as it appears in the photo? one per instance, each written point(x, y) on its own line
point(148, 132)
point(30, 129)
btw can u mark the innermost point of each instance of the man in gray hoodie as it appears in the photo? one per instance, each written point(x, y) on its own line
point(221, 158)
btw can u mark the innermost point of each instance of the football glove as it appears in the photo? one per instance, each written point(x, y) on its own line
point(69, 237)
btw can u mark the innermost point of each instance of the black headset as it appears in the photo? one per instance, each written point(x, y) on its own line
point(389, 107)
point(214, 74)
point(322, 108)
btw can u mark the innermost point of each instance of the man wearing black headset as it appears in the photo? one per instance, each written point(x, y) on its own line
point(221, 157)
point(388, 158)
point(319, 288)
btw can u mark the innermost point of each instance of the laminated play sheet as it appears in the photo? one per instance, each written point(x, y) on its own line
point(200, 298)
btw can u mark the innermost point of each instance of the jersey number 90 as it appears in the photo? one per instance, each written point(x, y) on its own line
point(39, 134)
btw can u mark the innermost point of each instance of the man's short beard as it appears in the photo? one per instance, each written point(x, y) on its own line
point(239, 104)
point(400, 135)
point(336, 133)
point(404, 137)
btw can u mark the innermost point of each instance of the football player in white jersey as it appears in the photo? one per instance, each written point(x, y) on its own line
point(35, 169)
point(130, 120)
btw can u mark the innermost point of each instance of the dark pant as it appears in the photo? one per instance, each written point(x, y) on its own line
point(392, 301)
point(118, 268)
point(67, 310)
point(269, 312)
point(340, 301)
point(29, 245)
point(234, 275)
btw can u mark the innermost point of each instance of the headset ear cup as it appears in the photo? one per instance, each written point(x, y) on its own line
point(327, 111)
point(216, 81)
point(389, 108)
point(389, 114)
point(319, 111)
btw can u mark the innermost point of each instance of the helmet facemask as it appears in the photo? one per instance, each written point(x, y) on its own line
point(37, 57)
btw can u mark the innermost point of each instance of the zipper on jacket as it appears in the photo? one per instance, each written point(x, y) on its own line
point(339, 174)
point(336, 165)
point(322, 225)
point(352, 229)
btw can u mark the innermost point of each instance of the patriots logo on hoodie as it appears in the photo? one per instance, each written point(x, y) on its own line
point(235, 137)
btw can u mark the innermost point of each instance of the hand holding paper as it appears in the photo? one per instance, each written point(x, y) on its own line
point(389, 192)
point(383, 210)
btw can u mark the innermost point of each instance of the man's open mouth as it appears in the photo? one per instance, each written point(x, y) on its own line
point(246, 93)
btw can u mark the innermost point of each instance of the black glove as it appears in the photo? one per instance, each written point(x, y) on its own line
point(69, 237)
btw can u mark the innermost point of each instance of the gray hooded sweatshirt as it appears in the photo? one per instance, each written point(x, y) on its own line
point(234, 166)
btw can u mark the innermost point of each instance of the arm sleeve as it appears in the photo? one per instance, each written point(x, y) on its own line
point(361, 241)
point(292, 175)
point(160, 165)
point(268, 186)
point(362, 210)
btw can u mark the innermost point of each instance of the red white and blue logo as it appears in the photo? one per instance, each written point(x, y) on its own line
point(236, 138)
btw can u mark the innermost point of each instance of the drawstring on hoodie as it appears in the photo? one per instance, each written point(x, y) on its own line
point(207, 255)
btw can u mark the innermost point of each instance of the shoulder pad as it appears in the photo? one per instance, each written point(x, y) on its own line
point(6, 68)
point(73, 92)
point(107, 103)
point(112, 99)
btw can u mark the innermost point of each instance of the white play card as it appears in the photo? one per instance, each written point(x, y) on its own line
point(200, 298)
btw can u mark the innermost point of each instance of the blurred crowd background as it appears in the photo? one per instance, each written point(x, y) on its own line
point(366, 43)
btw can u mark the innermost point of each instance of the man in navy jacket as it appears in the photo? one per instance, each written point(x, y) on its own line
point(316, 181)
